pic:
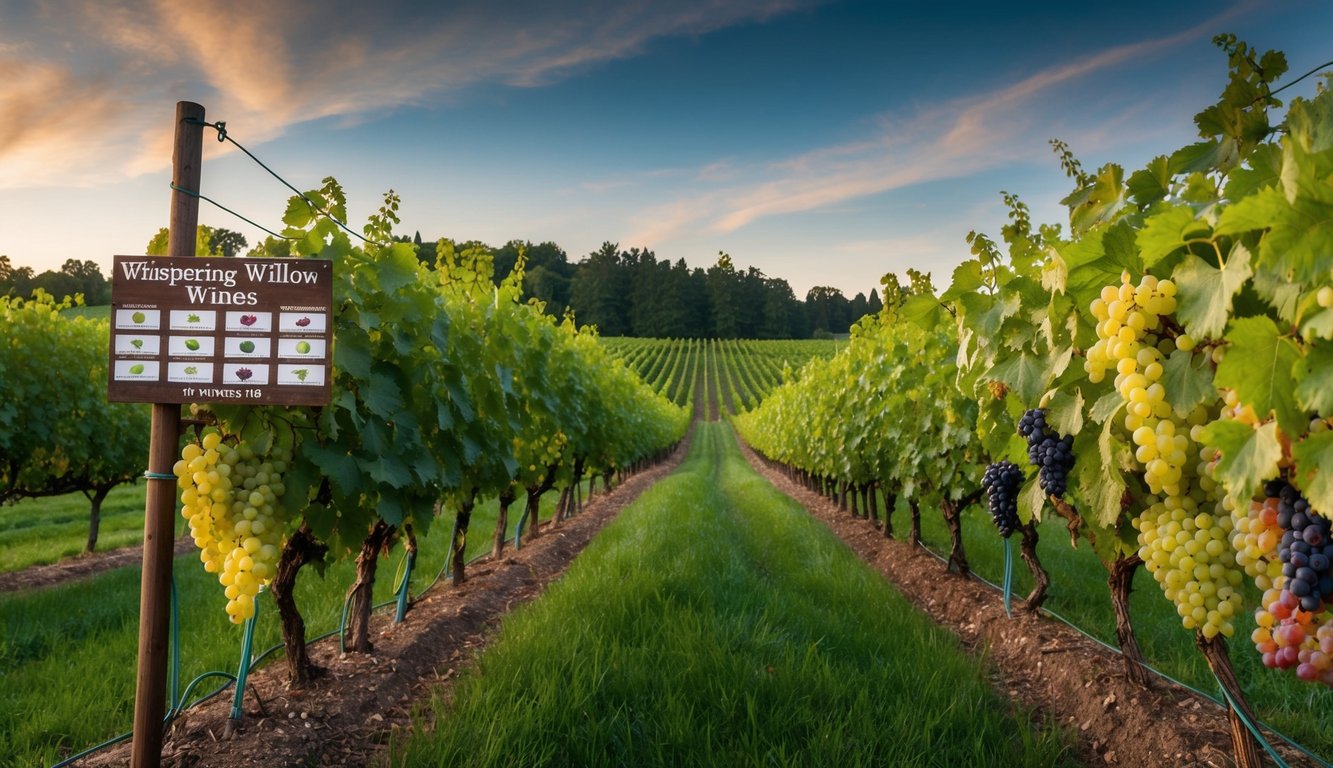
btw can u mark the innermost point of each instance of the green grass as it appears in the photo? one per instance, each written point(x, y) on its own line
point(67, 653)
point(39, 531)
point(1079, 593)
point(100, 312)
point(715, 623)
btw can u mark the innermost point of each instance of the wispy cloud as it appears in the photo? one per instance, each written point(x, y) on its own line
point(268, 66)
point(948, 140)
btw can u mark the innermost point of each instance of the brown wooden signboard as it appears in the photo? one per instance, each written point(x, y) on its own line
point(215, 330)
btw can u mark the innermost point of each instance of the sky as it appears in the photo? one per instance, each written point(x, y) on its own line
point(825, 143)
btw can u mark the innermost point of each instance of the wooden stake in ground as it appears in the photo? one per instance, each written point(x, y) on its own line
point(160, 505)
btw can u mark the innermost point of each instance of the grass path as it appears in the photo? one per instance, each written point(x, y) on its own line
point(716, 623)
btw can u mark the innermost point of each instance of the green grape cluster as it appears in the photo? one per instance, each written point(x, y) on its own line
point(1186, 547)
point(1129, 339)
point(1184, 530)
point(230, 496)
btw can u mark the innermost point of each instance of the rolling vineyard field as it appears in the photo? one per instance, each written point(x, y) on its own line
point(1139, 405)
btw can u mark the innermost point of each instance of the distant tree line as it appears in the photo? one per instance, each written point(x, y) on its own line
point(84, 276)
point(622, 292)
point(633, 293)
point(73, 277)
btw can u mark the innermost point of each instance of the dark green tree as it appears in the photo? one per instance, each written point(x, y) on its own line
point(828, 310)
point(87, 278)
point(599, 292)
point(15, 281)
point(723, 292)
point(859, 307)
point(226, 242)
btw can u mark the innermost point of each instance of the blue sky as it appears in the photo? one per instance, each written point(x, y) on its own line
point(823, 142)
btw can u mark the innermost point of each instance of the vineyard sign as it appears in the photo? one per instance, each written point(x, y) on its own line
point(220, 330)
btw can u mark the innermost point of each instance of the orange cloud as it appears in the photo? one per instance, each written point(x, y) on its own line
point(269, 66)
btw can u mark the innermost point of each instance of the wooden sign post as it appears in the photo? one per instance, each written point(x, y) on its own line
point(160, 506)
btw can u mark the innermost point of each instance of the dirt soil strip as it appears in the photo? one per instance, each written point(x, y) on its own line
point(81, 566)
point(1046, 666)
point(345, 717)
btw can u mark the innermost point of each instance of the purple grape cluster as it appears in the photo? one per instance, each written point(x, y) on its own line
point(1053, 454)
point(1306, 549)
point(1001, 483)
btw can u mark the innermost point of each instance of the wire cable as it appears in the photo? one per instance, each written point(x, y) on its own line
point(221, 128)
point(251, 222)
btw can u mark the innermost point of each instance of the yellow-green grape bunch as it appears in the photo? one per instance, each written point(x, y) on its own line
point(1185, 545)
point(1128, 335)
point(1185, 534)
point(230, 498)
point(1185, 531)
point(1256, 537)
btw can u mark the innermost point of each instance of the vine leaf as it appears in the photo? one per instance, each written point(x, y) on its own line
point(1023, 373)
point(1165, 232)
point(1205, 292)
point(398, 268)
point(1102, 482)
point(1098, 259)
point(335, 464)
point(1249, 456)
point(383, 397)
point(1030, 500)
point(1319, 326)
point(1099, 202)
point(1065, 412)
point(1188, 379)
point(1152, 183)
point(1262, 169)
point(1299, 230)
point(988, 313)
point(1315, 391)
point(1259, 365)
point(389, 471)
point(1314, 470)
point(1106, 406)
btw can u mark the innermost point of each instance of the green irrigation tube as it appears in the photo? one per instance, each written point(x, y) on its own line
point(518, 529)
point(243, 670)
point(401, 610)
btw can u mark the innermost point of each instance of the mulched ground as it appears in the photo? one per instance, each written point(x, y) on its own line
point(80, 567)
point(1044, 665)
